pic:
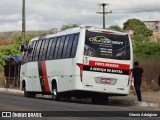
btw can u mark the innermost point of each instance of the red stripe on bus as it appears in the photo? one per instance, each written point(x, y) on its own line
point(44, 72)
point(109, 65)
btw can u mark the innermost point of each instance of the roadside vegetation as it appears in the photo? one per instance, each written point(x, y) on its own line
point(146, 50)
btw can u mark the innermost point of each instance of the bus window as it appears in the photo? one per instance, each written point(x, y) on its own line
point(41, 49)
point(110, 46)
point(27, 55)
point(34, 50)
point(65, 47)
point(49, 49)
point(74, 47)
point(38, 50)
point(45, 49)
point(57, 48)
point(61, 47)
point(69, 47)
point(53, 47)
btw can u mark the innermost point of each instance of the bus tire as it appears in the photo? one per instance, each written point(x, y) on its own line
point(26, 93)
point(101, 100)
point(55, 95)
point(29, 94)
point(67, 98)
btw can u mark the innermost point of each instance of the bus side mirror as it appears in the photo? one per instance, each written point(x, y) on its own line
point(22, 48)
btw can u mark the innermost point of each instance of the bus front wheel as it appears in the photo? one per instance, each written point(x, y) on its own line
point(29, 94)
point(55, 96)
point(26, 93)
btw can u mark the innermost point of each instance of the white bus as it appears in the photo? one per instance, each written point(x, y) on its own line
point(80, 62)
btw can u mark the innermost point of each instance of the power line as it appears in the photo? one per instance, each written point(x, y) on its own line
point(104, 12)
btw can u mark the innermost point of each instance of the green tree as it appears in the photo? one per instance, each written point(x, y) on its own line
point(116, 28)
point(142, 30)
point(7, 50)
point(18, 39)
point(13, 49)
point(131, 24)
point(138, 28)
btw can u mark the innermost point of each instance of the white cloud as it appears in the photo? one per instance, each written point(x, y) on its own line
point(48, 14)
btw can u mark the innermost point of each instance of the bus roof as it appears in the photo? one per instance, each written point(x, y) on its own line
point(76, 30)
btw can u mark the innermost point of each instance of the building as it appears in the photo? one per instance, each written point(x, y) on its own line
point(153, 25)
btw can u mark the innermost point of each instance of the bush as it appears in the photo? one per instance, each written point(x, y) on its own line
point(147, 50)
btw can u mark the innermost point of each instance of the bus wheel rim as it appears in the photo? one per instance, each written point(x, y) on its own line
point(54, 92)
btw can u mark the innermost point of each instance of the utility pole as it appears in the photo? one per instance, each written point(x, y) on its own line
point(104, 12)
point(23, 25)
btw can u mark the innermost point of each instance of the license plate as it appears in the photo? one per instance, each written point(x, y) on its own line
point(105, 80)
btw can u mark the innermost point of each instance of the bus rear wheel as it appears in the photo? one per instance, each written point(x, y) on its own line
point(55, 96)
point(100, 99)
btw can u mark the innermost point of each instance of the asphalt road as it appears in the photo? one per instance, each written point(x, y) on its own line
point(78, 109)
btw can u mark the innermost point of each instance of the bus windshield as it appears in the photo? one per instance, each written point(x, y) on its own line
point(107, 45)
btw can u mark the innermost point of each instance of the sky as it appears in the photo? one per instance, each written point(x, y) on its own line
point(49, 14)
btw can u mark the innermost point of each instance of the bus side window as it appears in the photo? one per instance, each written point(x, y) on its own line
point(45, 49)
point(53, 47)
point(49, 48)
point(25, 57)
point(38, 50)
point(33, 51)
point(65, 47)
point(57, 48)
point(61, 47)
point(74, 47)
point(69, 47)
point(41, 50)
point(27, 54)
